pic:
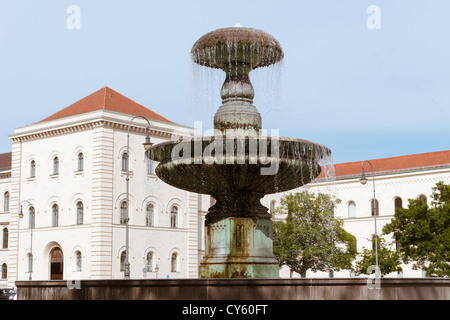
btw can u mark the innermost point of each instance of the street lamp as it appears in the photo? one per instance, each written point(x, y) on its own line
point(31, 235)
point(147, 144)
point(363, 181)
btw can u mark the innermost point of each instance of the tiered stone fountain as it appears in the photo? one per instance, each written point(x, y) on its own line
point(238, 166)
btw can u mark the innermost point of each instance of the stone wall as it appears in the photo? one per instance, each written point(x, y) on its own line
point(236, 289)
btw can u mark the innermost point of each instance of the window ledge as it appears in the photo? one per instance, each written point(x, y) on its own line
point(124, 173)
point(79, 173)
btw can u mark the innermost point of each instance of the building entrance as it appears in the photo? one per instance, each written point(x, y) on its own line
point(56, 264)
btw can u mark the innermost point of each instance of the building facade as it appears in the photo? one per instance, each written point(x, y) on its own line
point(397, 179)
point(63, 197)
point(5, 198)
point(68, 179)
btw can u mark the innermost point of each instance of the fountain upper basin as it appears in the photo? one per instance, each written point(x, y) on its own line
point(236, 46)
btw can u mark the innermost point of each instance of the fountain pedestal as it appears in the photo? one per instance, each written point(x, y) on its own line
point(239, 248)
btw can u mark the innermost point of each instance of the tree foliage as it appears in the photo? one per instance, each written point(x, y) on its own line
point(388, 260)
point(310, 237)
point(423, 232)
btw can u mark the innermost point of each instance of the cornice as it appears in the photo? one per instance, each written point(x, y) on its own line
point(53, 132)
point(393, 178)
point(5, 174)
point(101, 120)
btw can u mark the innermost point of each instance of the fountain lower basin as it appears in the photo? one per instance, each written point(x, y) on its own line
point(212, 165)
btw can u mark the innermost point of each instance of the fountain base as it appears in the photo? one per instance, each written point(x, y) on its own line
point(239, 247)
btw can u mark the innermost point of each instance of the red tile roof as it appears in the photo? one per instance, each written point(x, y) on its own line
point(5, 161)
point(106, 99)
point(393, 165)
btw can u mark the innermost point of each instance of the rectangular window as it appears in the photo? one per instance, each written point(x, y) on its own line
point(5, 238)
point(6, 202)
point(56, 165)
point(80, 213)
point(30, 262)
point(32, 169)
point(374, 210)
point(80, 162)
point(123, 212)
point(124, 161)
point(55, 216)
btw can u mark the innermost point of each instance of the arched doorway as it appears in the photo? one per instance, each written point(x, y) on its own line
point(56, 264)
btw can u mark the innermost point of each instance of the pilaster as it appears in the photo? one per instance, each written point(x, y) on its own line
point(102, 202)
point(14, 207)
point(192, 224)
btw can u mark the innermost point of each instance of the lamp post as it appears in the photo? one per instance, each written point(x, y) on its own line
point(147, 144)
point(363, 181)
point(31, 235)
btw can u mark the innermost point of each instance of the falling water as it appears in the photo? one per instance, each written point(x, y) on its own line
point(204, 95)
point(207, 82)
point(268, 83)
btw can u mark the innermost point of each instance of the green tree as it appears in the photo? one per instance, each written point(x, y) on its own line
point(310, 237)
point(423, 232)
point(388, 260)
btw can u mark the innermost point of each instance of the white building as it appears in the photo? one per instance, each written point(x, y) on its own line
point(67, 173)
point(397, 179)
point(5, 199)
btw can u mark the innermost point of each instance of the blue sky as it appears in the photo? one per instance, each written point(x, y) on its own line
point(364, 93)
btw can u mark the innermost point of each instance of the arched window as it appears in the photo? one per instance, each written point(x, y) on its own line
point(32, 169)
point(123, 212)
point(124, 161)
point(55, 165)
point(5, 238)
point(78, 261)
point(80, 161)
point(80, 212)
point(6, 201)
point(4, 271)
point(55, 215)
point(31, 218)
point(423, 199)
point(272, 207)
point(30, 262)
point(174, 262)
point(377, 208)
point(123, 257)
point(398, 203)
point(174, 217)
point(351, 209)
point(150, 215)
point(150, 261)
